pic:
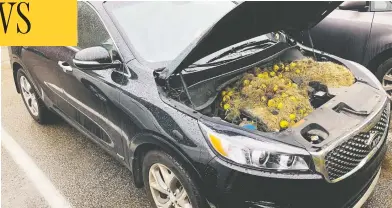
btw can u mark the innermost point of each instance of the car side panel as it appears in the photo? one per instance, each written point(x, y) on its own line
point(381, 36)
point(88, 99)
point(342, 33)
point(39, 61)
point(146, 113)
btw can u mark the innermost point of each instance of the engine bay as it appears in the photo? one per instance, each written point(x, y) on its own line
point(275, 97)
point(270, 93)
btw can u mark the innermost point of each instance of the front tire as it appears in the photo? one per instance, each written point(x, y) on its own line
point(168, 184)
point(32, 101)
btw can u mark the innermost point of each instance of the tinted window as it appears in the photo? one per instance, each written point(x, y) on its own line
point(382, 6)
point(91, 31)
point(159, 31)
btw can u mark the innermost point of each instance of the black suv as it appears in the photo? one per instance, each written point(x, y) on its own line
point(144, 81)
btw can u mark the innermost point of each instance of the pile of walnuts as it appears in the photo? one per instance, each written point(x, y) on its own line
point(276, 97)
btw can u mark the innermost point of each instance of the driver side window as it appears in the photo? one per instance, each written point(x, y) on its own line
point(91, 31)
point(380, 6)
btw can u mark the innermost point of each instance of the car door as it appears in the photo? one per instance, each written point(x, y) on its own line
point(343, 33)
point(381, 34)
point(90, 95)
point(39, 62)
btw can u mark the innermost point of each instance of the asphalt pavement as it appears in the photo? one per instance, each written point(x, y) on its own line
point(82, 173)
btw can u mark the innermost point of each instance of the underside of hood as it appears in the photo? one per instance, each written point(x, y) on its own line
point(249, 20)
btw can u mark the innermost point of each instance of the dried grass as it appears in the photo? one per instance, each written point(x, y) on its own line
point(271, 97)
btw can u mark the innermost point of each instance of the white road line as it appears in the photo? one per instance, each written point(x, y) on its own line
point(42, 183)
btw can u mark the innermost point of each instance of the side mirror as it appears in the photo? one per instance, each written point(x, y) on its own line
point(354, 5)
point(94, 58)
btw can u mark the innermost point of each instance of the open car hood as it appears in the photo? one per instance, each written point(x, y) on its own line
point(248, 20)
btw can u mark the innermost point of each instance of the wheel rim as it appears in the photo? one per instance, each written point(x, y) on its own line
point(387, 82)
point(166, 189)
point(29, 96)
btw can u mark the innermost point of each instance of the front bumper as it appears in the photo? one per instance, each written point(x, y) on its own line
point(228, 188)
point(368, 192)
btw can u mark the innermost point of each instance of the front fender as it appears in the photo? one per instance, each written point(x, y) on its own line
point(143, 143)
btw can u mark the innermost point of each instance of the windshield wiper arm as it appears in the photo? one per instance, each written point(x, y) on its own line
point(232, 50)
point(216, 63)
point(213, 63)
point(248, 45)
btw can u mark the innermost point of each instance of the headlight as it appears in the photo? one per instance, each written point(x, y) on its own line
point(251, 152)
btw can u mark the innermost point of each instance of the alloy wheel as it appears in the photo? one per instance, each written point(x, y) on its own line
point(166, 189)
point(29, 96)
point(387, 82)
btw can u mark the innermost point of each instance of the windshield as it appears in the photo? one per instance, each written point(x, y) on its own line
point(159, 31)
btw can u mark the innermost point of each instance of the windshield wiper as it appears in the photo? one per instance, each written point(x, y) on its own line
point(240, 50)
point(255, 44)
point(214, 63)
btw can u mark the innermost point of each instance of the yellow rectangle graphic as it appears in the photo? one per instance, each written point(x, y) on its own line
point(38, 23)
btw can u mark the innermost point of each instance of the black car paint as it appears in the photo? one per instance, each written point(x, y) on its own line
point(122, 111)
point(361, 36)
point(122, 114)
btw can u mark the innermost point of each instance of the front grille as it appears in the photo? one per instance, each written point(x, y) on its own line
point(350, 153)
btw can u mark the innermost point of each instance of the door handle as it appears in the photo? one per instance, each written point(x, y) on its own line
point(65, 66)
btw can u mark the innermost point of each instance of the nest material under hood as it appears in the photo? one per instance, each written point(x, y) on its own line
point(277, 96)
